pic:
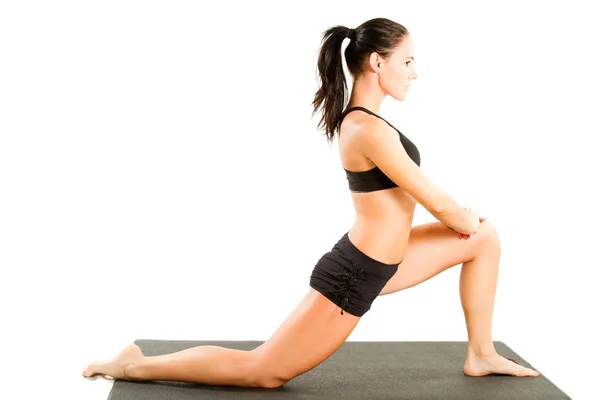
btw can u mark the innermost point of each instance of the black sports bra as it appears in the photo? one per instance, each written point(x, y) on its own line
point(374, 179)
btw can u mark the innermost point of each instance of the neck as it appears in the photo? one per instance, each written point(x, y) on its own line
point(366, 93)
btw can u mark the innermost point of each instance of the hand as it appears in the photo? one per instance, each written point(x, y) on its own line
point(467, 236)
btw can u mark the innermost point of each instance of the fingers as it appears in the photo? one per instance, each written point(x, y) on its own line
point(468, 236)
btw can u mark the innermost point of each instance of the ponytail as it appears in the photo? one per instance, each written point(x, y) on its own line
point(331, 95)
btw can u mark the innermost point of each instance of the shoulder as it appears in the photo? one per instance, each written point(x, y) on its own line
point(362, 127)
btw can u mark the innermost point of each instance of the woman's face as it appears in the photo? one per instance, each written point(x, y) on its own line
point(397, 72)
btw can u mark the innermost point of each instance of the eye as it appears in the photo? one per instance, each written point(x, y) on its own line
point(408, 62)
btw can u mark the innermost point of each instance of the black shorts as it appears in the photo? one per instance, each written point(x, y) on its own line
point(350, 278)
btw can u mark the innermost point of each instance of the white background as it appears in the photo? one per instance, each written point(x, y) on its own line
point(161, 176)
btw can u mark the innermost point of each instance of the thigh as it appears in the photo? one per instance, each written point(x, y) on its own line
point(343, 285)
point(308, 336)
point(433, 248)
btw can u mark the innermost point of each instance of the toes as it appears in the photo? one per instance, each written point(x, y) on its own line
point(91, 370)
point(528, 372)
point(524, 370)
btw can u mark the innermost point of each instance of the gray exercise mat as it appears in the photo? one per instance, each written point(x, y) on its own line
point(357, 370)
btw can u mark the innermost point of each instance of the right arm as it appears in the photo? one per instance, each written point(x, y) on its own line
point(381, 145)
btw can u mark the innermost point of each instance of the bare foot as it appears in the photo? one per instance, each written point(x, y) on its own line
point(495, 364)
point(116, 368)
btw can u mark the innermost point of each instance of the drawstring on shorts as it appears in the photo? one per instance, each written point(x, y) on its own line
point(343, 288)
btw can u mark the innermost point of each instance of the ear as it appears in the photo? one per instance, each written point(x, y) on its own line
point(375, 61)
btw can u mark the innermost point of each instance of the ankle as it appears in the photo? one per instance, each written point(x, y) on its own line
point(133, 371)
point(481, 351)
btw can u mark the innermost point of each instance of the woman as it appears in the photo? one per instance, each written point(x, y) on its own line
point(379, 255)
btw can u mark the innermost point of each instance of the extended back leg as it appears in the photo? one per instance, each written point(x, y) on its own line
point(309, 335)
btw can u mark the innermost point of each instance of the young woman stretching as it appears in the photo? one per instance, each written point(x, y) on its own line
point(381, 253)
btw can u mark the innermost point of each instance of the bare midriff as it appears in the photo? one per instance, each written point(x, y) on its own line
point(383, 223)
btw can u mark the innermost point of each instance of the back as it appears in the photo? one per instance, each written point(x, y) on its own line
point(383, 217)
point(374, 179)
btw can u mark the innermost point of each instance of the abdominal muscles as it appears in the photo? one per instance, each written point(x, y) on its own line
point(383, 223)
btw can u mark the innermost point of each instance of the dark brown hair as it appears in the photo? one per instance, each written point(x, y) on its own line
point(379, 35)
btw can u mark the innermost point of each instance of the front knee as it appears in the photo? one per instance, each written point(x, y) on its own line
point(487, 235)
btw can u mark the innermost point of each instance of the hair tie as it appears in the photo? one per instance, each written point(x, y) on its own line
point(350, 33)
